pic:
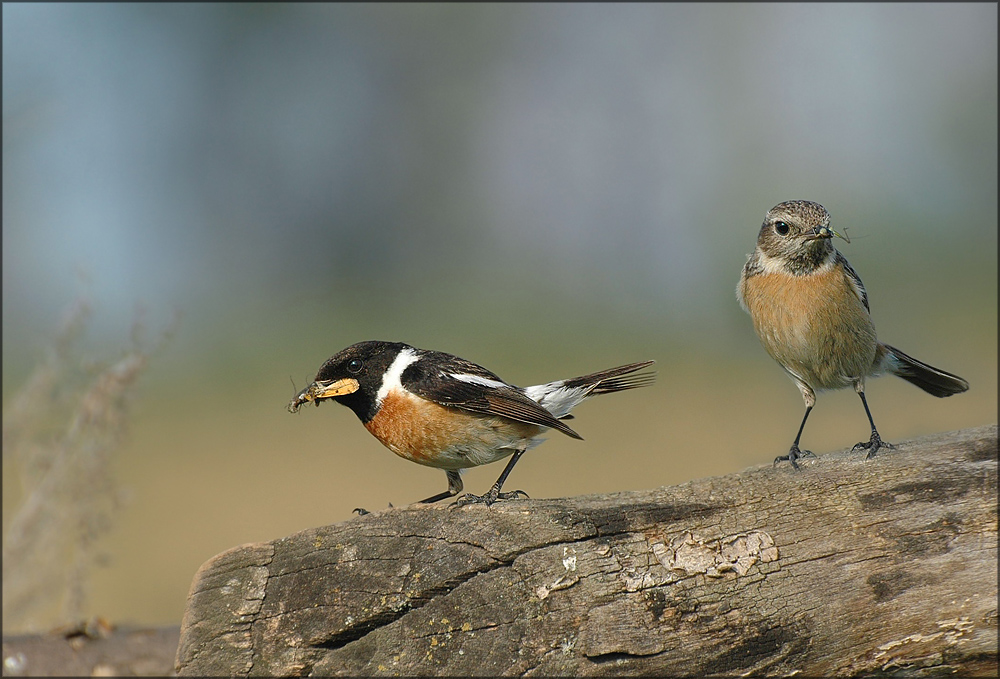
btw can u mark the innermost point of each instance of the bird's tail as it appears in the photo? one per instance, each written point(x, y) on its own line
point(927, 377)
point(562, 396)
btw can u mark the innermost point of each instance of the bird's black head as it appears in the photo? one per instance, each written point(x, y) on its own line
point(352, 377)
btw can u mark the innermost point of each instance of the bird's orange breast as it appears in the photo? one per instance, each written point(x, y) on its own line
point(449, 438)
point(412, 427)
point(815, 325)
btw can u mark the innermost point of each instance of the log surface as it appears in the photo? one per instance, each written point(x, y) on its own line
point(849, 566)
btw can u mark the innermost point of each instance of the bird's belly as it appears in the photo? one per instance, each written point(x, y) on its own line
point(822, 334)
point(448, 438)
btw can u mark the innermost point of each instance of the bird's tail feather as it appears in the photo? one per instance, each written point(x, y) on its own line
point(562, 396)
point(932, 380)
point(614, 379)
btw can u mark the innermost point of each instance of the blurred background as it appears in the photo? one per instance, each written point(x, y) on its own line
point(547, 190)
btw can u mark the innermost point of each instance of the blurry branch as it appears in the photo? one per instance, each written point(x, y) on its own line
point(24, 420)
point(62, 429)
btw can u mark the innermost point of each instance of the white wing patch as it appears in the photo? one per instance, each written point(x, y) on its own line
point(391, 380)
point(476, 379)
point(554, 396)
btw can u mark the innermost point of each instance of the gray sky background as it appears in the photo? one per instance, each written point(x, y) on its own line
point(199, 156)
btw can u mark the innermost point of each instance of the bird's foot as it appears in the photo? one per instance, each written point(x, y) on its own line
point(793, 454)
point(489, 498)
point(872, 445)
point(361, 511)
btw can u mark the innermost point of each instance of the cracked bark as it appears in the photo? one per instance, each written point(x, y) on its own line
point(846, 567)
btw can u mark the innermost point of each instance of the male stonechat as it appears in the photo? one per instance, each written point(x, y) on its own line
point(443, 411)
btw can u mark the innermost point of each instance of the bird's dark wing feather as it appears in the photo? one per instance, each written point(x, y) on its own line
point(856, 279)
point(433, 381)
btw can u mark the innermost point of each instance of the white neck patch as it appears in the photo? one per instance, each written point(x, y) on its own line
point(391, 380)
point(773, 265)
point(769, 264)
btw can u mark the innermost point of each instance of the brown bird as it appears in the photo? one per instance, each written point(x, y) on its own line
point(443, 411)
point(810, 311)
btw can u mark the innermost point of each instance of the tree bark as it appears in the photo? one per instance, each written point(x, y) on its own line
point(848, 566)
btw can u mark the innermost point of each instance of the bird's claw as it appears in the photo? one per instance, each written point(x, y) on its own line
point(793, 454)
point(361, 511)
point(872, 445)
point(488, 499)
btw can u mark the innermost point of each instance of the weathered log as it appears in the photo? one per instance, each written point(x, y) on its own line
point(849, 566)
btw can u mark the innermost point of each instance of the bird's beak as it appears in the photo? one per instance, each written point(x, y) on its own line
point(320, 390)
point(827, 232)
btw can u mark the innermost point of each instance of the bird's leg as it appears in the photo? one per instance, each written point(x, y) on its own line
point(794, 453)
point(454, 487)
point(494, 493)
point(875, 442)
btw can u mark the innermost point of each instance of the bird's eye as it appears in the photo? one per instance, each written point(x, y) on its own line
point(781, 228)
point(354, 365)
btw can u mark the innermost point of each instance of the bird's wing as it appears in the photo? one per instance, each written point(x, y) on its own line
point(855, 280)
point(465, 385)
